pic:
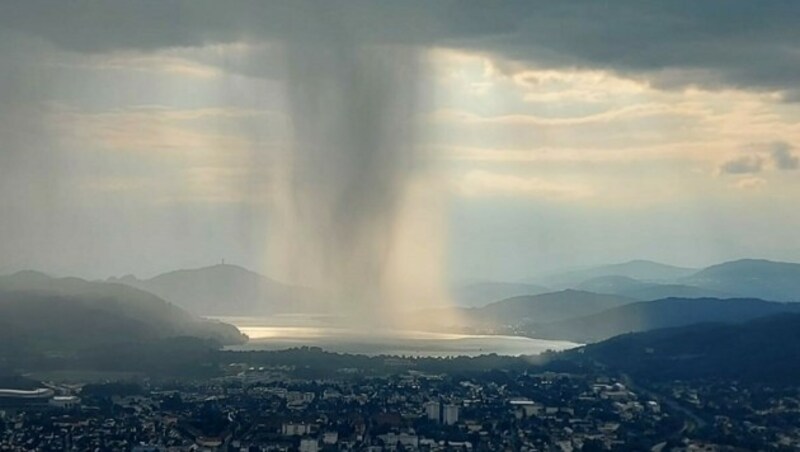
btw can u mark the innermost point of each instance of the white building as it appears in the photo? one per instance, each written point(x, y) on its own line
point(298, 397)
point(525, 408)
point(309, 445)
point(433, 410)
point(329, 394)
point(65, 402)
point(450, 414)
point(330, 437)
point(293, 429)
point(405, 439)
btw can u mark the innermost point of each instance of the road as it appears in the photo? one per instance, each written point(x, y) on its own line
point(695, 421)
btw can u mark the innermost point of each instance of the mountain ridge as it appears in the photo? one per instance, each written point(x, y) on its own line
point(225, 289)
point(658, 314)
point(640, 269)
point(546, 307)
point(773, 280)
point(752, 351)
point(73, 312)
point(481, 293)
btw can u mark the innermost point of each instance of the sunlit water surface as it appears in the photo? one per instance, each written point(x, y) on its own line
point(282, 332)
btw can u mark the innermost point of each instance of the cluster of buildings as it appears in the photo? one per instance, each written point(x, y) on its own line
point(272, 409)
point(439, 412)
point(756, 416)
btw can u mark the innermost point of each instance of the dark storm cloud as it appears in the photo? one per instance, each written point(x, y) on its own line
point(673, 44)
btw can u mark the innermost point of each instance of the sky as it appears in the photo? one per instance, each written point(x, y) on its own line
point(141, 137)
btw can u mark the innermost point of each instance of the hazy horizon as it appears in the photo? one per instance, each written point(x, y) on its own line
point(464, 281)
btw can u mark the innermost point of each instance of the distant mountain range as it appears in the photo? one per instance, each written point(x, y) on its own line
point(778, 281)
point(607, 305)
point(651, 315)
point(550, 307)
point(225, 290)
point(636, 325)
point(641, 270)
point(642, 280)
point(482, 293)
point(641, 290)
point(647, 280)
point(38, 312)
point(762, 350)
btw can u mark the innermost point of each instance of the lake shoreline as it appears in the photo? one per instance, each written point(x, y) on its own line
point(280, 333)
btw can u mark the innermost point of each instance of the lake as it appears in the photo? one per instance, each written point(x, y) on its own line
point(282, 332)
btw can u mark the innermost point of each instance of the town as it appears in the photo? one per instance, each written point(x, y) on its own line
point(270, 408)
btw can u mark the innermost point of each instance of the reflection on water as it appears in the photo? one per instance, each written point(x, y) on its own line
point(276, 333)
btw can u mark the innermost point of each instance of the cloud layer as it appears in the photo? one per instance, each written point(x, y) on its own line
point(681, 43)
